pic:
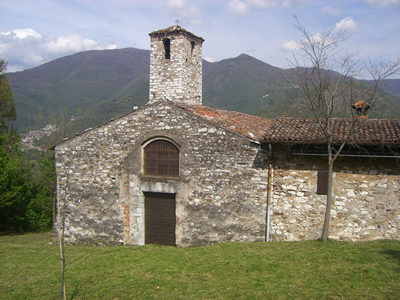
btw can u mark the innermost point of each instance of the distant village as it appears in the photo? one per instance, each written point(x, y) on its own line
point(29, 139)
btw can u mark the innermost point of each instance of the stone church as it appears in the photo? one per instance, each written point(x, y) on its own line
point(175, 172)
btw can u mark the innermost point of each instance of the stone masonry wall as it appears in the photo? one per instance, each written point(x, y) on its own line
point(366, 203)
point(220, 194)
point(179, 78)
point(222, 188)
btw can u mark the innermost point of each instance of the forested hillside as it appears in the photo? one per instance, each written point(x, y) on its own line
point(70, 86)
point(88, 88)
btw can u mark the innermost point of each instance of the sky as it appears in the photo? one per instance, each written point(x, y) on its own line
point(33, 32)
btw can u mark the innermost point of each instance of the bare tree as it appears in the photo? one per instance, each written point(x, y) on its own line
point(325, 74)
point(62, 201)
point(60, 231)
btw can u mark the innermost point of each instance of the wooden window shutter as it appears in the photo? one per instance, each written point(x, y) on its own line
point(322, 182)
point(161, 158)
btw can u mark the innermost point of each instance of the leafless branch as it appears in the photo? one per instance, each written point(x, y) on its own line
point(61, 229)
point(327, 75)
point(379, 71)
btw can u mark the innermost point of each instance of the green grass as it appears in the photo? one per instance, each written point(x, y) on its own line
point(30, 268)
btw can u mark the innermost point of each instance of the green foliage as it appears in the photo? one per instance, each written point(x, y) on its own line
point(26, 190)
point(15, 186)
point(274, 270)
point(7, 105)
point(40, 208)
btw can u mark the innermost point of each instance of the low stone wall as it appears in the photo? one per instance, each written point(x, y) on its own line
point(366, 203)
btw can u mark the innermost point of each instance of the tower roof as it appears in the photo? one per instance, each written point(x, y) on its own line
point(175, 29)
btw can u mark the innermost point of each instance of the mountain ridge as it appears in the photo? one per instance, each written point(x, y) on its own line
point(88, 88)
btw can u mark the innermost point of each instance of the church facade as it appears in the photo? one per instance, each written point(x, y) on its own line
point(175, 172)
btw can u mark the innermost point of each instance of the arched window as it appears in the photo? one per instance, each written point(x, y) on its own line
point(161, 158)
point(167, 48)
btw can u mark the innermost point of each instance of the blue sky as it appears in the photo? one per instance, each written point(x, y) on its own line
point(33, 32)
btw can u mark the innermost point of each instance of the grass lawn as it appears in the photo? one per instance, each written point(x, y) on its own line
point(30, 268)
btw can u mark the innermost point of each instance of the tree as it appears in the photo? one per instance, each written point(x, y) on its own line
point(61, 238)
point(26, 187)
point(41, 210)
point(326, 77)
point(15, 187)
point(7, 105)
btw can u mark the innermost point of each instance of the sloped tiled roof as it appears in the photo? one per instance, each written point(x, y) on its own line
point(297, 130)
point(175, 29)
point(250, 126)
point(365, 131)
point(302, 130)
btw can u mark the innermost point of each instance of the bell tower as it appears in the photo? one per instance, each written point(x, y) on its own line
point(175, 66)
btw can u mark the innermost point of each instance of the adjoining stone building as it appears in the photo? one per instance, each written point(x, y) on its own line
point(179, 173)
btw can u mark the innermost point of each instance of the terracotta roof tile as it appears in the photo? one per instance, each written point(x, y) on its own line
point(295, 130)
point(175, 29)
point(250, 126)
point(299, 130)
point(373, 131)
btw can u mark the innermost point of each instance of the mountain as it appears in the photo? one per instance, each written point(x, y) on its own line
point(243, 84)
point(88, 88)
point(391, 86)
point(67, 87)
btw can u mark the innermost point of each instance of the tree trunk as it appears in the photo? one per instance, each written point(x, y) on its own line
point(325, 230)
point(54, 212)
point(63, 294)
point(60, 229)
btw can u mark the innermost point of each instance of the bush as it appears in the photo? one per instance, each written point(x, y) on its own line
point(25, 198)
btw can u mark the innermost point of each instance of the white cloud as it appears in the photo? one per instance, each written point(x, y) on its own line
point(346, 24)
point(25, 48)
point(111, 46)
point(210, 59)
point(261, 3)
point(177, 4)
point(331, 10)
point(383, 2)
point(238, 7)
point(291, 45)
point(70, 43)
point(183, 9)
point(14, 68)
point(319, 39)
point(316, 39)
point(22, 34)
point(21, 46)
point(242, 7)
point(291, 3)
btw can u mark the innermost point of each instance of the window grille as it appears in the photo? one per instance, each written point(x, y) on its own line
point(161, 158)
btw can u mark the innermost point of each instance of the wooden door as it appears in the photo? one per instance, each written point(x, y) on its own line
point(160, 218)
